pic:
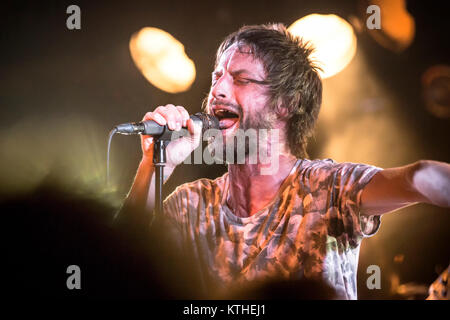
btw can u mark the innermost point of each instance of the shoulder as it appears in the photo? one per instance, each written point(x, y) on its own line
point(318, 163)
point(330, 165)
point(317, 168)
point(325, 171)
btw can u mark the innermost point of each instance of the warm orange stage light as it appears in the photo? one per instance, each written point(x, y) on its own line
point(332, 37)
point(162, 60)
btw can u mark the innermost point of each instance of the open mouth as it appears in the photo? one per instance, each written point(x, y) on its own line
point(227, 118)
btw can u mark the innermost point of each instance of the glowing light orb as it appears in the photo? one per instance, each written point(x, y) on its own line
point(333, 39)
point(162, 60)
point(398, 27)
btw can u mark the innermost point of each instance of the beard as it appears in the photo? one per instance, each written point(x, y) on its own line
point(249, 139)
point(261, 120)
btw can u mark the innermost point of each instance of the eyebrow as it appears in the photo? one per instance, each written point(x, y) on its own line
point(237, 72)
point(241, 71)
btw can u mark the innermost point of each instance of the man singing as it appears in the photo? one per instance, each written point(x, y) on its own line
point(304, 220)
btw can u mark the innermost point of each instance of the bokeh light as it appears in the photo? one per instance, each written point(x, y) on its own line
point(333, 39)
point(397, 24)
point(162, 60)
point(436, 90)
point(70, 156)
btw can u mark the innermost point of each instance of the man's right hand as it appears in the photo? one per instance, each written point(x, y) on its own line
point(175, 117)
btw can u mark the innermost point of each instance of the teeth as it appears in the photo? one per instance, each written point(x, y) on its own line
point(224, 112)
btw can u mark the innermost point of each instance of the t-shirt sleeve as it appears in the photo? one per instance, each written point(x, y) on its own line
point(345, 183)
point(349, 182)
point(176, 205)
point(172, 205)
point(174, 208)
point(182, 209)
point(182, 206)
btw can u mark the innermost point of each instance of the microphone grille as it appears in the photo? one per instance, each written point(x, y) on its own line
point(208, 121)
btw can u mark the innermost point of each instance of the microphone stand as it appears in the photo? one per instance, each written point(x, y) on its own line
point(162, 138)
point(159, 157)
point(159, 160)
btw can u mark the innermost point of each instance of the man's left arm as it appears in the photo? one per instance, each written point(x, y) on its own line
point(424, 181)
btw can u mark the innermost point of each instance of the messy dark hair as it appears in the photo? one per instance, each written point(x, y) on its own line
point(292, 78)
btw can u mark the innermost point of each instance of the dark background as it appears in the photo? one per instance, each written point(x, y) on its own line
point(63, 90)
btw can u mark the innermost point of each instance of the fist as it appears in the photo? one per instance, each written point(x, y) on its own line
point(175, 117)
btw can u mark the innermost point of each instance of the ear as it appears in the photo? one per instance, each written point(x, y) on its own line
point(282, 111)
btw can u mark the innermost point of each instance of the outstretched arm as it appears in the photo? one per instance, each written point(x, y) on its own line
point(424, 181)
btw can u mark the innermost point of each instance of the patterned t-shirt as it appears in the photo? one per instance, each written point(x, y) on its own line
point(311, 229)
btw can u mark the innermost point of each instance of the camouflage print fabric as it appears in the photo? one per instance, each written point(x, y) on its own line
point(311, 229)
point(439, 289)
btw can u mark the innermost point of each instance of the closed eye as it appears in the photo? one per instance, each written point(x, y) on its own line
point(244, 81)
point(237, 79)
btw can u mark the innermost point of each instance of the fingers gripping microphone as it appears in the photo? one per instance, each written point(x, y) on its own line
point(152, 128)
point(163, 135)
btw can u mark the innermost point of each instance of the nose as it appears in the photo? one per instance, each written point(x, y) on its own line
point(222, 88)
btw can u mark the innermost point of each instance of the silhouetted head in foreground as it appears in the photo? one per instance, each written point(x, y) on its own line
point(48, 229)
point(283, 289)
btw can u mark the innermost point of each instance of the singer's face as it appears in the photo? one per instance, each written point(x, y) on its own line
point(238, 95)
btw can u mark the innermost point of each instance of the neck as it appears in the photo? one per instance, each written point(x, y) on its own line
point(251, 188)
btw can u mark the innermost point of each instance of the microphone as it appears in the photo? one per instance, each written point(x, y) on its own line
point(153, 128)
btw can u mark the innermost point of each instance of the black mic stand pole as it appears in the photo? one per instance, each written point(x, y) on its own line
point(159, 157)
point(159, 160)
